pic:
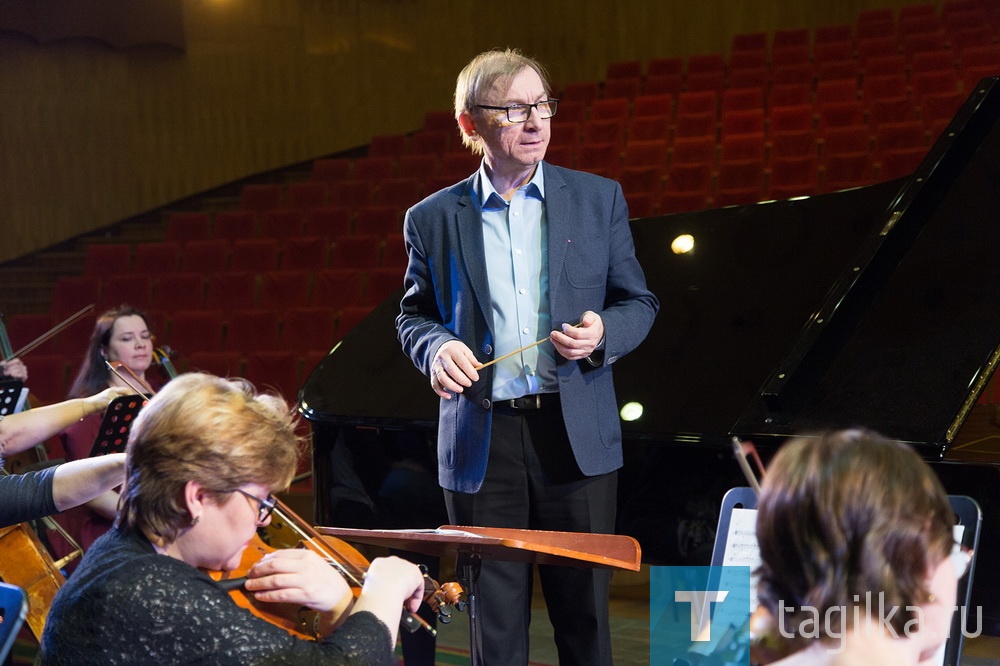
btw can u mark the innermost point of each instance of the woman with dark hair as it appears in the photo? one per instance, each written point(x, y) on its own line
point(203, 461)
point(120, 334)
point(859, 562)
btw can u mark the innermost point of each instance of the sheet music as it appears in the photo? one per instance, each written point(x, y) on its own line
point(22, 400)
point(741, 547)
point(437, 531)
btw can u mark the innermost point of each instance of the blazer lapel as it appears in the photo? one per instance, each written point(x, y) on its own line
point(560, 228)
point(470, 234)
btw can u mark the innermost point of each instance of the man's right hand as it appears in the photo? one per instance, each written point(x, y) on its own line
point(453, 369)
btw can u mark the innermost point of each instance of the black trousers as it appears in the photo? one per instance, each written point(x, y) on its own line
point(533, 482)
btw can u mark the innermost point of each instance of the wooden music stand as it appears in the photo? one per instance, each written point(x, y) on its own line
point(470, 545)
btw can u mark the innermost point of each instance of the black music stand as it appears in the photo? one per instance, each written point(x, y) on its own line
point(12, 396)
point(471, 544)
point(118, 418)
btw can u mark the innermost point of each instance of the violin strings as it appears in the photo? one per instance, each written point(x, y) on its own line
point(356, 578)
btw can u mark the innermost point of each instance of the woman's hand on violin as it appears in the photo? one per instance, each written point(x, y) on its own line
point(394, 576)
point(391, 584)
point(297, 576)
point(101, 401)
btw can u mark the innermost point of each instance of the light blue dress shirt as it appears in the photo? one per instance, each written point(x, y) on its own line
point(516, 244)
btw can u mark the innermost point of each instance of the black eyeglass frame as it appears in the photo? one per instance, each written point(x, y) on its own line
point(265, 507)
point(525, 107)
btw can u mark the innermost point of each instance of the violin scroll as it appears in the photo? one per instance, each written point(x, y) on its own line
point(442, 598)
point(162, 356)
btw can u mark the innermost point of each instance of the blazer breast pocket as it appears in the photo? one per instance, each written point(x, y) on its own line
point(587, 264)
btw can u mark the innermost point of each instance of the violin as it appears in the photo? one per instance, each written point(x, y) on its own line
point(133, 381)
point(348, 561)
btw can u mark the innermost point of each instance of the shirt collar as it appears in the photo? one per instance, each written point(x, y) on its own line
point(535, 186)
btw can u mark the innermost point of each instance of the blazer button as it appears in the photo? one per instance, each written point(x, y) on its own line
point(486, 403)
point(488, 349)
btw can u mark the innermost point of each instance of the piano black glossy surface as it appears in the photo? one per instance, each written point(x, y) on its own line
point(878, 306)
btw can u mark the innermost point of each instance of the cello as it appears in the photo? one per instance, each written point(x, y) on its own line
point(348, 561)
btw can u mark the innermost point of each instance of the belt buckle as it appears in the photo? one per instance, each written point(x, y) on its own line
point(527, 402)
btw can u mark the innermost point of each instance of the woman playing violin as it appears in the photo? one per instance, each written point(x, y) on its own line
point(202, 461)
point(121, 334)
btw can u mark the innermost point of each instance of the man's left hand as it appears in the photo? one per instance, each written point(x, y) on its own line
point(579, 342)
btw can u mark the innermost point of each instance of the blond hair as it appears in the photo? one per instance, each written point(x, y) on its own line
point(203, 428)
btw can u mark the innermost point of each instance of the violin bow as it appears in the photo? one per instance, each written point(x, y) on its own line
point(52, 331)
point(410, 621)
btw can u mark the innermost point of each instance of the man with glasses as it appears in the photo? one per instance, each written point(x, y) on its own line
point(522, 289)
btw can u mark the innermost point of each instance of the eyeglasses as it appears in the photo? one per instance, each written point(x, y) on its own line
point(264, 506)
point(519, 113)
point(961, 559)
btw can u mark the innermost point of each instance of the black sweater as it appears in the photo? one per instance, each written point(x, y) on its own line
point(126, 604)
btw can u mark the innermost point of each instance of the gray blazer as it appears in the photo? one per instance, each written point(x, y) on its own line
point(592, 266)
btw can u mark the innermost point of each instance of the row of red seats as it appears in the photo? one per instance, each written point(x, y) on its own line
point(660, 118)
point(936, 73)
point(885, 98)
point(912, 20)
point(281, 371)
point(655, 190)
point(620, 139)
point(246, 254)
point(971, 66)
point(611, 159)
point(891, 83)
point(298, 328)
point(355, 215)
point(749, 50)
point(223, 291)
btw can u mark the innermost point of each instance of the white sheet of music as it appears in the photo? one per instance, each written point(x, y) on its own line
point(741, 547)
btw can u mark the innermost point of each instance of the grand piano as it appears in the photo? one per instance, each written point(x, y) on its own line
point(877, 306)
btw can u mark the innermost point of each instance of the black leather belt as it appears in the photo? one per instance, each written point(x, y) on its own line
point(528, 403)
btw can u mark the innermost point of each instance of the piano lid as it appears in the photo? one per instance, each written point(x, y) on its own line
point(876, 306)
point(910, 332)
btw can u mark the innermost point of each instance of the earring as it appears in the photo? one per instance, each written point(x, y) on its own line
point(194, 520)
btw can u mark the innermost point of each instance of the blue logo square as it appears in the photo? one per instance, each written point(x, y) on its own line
point(695, 612)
